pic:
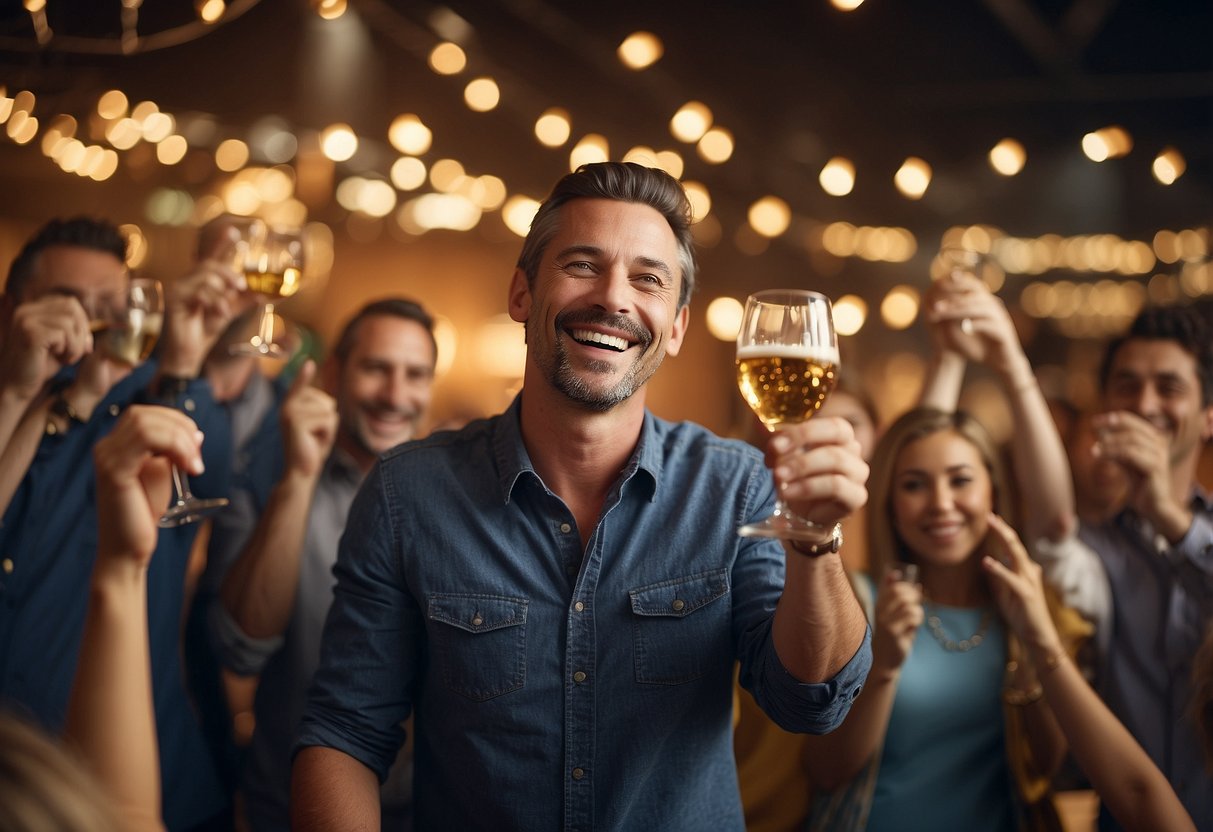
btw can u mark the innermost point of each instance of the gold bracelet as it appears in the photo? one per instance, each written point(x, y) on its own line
point(1015, 696)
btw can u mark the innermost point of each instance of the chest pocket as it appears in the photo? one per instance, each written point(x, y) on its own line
point(479, 643)
point(681, 628)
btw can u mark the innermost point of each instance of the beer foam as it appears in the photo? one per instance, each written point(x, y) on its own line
point(818, 353)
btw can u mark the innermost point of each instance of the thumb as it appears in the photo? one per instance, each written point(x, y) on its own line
point(304, 377)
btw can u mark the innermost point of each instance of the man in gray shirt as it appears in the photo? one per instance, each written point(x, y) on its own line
point(275, 596)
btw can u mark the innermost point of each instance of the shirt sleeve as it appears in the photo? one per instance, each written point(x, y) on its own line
point(1196, 546)
point(758, 581)
point(371, 650)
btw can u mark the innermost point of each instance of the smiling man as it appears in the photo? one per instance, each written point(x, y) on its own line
point(274, 597)
point(558, 594)
point(1158, 552)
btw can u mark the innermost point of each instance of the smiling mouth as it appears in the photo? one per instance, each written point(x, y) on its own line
point(612, 343)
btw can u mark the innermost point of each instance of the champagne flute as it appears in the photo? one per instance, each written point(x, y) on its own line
point(953, 262)
point(273, 268)
point(787, 363)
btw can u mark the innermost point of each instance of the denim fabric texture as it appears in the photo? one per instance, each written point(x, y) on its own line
point(556, 688)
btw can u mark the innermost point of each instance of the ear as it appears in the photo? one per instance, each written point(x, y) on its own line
point(520, 297)
point(682, 319)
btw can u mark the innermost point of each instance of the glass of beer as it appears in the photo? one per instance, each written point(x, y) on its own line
point(787, 363)
point(273, 268)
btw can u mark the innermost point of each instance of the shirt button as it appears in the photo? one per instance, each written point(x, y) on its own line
point(477, 621)
point(578, 773)
point(579, 676)
point(579, 606)
point(189, 405)
point(7, 565)
point(678, 604)
point(565, 528)
point(114, 410)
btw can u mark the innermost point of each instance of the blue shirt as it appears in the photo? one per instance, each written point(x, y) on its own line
point(944, 763)
point(49, 536)
point(555, 688)
point(1162, 605)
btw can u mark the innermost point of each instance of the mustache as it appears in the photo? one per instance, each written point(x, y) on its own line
point(634, 330)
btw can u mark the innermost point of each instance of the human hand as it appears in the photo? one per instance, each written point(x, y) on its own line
point(1142, 451)
point(966, 317)
point(819, 469)
point(899, 614)
point(1018, 588)
point(199, 307)
point(44, 335)
point(309, 423)
point(134, 480)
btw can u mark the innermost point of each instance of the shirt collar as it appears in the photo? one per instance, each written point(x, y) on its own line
point(514, 463)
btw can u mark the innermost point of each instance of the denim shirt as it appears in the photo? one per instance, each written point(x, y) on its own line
point(48, 539)
point(556, 689)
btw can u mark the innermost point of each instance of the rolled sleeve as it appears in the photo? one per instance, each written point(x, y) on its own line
point(812, 707)
point(239, 652)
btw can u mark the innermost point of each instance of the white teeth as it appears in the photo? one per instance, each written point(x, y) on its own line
point(612, 341)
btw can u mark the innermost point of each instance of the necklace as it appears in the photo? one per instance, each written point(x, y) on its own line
point(965, 644)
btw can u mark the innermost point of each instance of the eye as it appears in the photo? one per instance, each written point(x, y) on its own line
point(910, 486)
point(961, 481)
point(578, 266)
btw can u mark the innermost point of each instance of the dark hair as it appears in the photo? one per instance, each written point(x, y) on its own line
point(1181, 324)
point(624, 182)
point(395, 307)
point(81, 232)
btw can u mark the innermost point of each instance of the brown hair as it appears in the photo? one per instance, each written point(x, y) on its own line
point(885, 548)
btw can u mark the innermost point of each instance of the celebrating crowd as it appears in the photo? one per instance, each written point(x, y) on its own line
point(546, 619)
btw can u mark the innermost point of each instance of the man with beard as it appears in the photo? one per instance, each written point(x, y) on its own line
point(1157, 552)
point(274, 597)
point(558, 594)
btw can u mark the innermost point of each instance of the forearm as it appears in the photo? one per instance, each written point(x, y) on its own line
point(1132, 787)
point(818, 625)
point(12, 410)
point(835, 758)
point(111, 718)
point(22, 446)
point(945, 377)
point(1041, 464)
point(259, 591)
point(330, 790)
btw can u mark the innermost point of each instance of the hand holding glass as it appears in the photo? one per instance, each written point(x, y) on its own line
point(273, 267)
point(787, 363)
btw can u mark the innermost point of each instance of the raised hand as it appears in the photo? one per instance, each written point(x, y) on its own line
point(309, 423)
point(45, 335)
point(1142, 451)
point(819, 469)
point(899, 614)
point(966, 317)
point(1019, 589)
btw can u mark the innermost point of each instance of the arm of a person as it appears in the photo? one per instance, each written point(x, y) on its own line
point(818, 626)
point(1132, 787)
point(259, 590)
point(1040, 460)
point(330, 790)
point(111, 718)
point(835, 758)
point(198, 307)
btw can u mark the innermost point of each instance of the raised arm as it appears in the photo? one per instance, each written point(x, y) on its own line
point(111, 719)
point(1129, 784)
point(820, 472)
point(259, 590)
point(973, 323)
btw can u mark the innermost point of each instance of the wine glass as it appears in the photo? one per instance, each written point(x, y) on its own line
point(953, 262)
point(787, 363)
point(273, 268)
point(127, 325)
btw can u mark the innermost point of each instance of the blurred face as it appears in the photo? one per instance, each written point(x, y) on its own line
point(845, 406)
point(940, 498)
point(602, 313)
point(83, 273)
point(383, 387)
point(1157, 380)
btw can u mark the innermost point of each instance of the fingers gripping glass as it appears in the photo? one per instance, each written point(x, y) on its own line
point(787, 363)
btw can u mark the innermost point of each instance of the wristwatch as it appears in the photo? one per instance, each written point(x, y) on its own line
point(827, 547)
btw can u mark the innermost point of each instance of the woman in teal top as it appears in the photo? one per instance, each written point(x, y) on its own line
point(949, 733)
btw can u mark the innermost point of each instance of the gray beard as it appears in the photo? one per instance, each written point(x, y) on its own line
point(561, 376)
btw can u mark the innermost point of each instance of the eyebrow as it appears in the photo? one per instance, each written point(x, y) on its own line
point(595, 251)
point(954, 469)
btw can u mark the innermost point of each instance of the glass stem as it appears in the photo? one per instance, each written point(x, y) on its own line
point(267, 324)
point(181, 486)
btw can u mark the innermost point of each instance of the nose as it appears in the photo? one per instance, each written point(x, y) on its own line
point(1147, 402)
point(611, 290)
point(941, 497)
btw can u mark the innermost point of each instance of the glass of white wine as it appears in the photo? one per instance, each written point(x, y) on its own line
point(128, 324)
point(273, 268)
point(787, 364)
